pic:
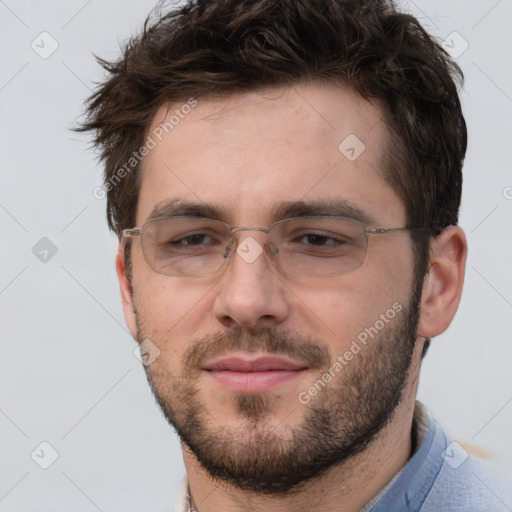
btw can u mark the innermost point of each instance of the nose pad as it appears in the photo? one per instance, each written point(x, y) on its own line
point(227, 250)
point(271, 252)
point(271, 249)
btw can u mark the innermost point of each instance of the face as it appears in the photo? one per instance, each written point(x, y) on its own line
point(270, 378)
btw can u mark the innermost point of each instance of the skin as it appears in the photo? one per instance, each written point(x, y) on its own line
point(246, 153)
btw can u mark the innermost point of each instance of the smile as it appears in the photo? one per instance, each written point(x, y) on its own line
point(240, 374)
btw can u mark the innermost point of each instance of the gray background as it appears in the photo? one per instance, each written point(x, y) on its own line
point(68, 375)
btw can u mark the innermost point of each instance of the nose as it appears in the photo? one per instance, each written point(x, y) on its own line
point(251, 294)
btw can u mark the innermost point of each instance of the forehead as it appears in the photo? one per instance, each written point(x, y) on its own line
point(248, 153)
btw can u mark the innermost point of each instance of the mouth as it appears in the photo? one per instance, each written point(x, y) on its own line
point(241, 373)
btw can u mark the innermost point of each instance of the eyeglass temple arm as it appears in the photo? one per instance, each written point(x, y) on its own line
point(131, 233)
point(380, 231)
point(126, 234)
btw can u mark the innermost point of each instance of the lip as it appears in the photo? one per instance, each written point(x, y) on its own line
point(244, 374)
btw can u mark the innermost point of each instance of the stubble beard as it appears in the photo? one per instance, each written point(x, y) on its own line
point(339, 423)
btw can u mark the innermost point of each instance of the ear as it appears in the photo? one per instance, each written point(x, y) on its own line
point(126, 291)
point(442, 287)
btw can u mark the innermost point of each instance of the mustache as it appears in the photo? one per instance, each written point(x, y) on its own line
point(268, 339)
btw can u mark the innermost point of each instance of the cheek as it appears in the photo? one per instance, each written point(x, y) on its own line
point(171, 310)
point(348, 305)
point(345, 308)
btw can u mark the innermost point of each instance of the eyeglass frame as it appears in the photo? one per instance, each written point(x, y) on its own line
point(136, 232)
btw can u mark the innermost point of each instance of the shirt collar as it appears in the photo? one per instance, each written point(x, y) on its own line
point(183, 502)
point(420, 424)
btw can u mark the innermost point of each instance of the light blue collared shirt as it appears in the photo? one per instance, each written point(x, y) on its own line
point(439, 477)
point(442, 477)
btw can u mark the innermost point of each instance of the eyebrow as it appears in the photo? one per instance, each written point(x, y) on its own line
point(288, 209)
point(325, 207)
point(181, 208)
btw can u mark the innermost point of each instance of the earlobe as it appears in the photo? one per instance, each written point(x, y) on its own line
point(125, 287)
point(442, 287)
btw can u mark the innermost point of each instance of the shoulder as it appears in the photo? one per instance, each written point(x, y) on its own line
point(442, 476)
point(466, 484)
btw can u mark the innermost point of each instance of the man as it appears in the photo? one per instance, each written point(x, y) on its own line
point(285, 178)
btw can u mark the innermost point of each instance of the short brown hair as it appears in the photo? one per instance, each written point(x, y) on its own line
point(228, 46)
